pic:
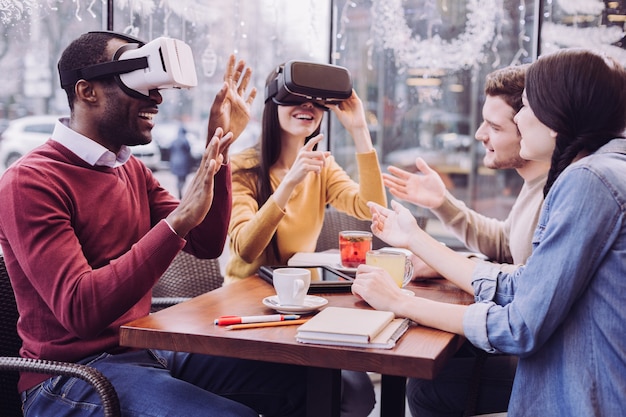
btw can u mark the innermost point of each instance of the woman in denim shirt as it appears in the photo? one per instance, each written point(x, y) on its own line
point(563, 312)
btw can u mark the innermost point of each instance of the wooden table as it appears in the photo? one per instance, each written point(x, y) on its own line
point(188, 327)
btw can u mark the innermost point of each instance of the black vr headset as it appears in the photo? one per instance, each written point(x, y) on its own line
point(299, 82)
point(139, 67)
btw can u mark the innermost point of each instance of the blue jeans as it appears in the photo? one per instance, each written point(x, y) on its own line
point(156, 383)
point(162, 383)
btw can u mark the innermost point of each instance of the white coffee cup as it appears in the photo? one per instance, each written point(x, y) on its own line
point(291, 285)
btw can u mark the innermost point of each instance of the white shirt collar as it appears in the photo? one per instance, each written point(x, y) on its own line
point(86, 149)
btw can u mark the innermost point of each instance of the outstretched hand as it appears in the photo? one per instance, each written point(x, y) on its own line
point(425, 189)
point(231, 108)
point(396, 227)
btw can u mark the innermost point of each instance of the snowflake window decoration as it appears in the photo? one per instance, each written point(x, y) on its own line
point(555, 36)
point(464, 51)
point(14, 10)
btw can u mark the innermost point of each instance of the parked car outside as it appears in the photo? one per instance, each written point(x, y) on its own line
point(26, 133)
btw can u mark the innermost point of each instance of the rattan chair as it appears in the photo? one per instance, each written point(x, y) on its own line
point(11, 363)
point(186, 277)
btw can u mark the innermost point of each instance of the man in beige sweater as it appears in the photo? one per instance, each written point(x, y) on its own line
point(504, 241)
point(508, 242)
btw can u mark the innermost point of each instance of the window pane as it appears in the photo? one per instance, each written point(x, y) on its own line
point(264, 33)
point(33, 34)
point(420, 67)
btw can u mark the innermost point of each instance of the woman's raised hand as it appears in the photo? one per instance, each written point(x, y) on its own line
point(350, 112)
point(396, 227)
point(307, 161)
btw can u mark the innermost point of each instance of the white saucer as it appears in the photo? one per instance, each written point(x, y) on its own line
point(311, 303)
point(408, 292)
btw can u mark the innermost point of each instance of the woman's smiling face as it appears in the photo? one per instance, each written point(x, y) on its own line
point(538, 140)
point(301, 120)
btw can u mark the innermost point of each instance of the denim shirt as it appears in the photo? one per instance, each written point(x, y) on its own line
point(564, 312)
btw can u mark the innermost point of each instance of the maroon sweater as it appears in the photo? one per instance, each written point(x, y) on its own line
point(84, 246)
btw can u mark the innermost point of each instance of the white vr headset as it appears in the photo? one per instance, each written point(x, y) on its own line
point(139, 68)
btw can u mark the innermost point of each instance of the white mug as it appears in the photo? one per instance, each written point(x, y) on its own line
point(291, 285)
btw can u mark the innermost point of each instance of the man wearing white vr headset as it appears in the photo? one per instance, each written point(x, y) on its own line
point(87, 230)
point(139, 68)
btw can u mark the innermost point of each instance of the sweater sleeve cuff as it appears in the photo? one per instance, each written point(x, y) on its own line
point(162, 244)
point(366, 157)
point(449, 209)
point(179, 240)
point(170, 226)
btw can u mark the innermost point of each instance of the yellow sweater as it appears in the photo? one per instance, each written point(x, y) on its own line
point(299, 225)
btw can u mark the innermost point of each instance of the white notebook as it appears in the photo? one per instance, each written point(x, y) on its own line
point(341, 326)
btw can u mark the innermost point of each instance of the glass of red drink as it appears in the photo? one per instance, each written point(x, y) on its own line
point(353, 246)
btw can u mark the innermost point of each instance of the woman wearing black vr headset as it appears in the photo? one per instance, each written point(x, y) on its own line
point(282, 185)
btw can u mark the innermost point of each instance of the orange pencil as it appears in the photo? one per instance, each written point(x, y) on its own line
point(266, 324)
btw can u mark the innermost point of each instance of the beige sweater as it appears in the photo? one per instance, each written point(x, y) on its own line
point(506, 241)
point(299, 225)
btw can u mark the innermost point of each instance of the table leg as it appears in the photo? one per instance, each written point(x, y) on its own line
point(323, 392)
point(392, 395)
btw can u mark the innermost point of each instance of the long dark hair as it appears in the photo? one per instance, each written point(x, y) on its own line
point(581, 95)
point(268, 149)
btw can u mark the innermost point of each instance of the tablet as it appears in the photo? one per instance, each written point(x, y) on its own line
point(323, 278)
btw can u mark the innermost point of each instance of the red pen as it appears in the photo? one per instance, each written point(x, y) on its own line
point(228, 320)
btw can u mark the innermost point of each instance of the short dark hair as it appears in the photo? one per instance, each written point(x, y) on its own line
point(508, 84)
point(88, 49)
